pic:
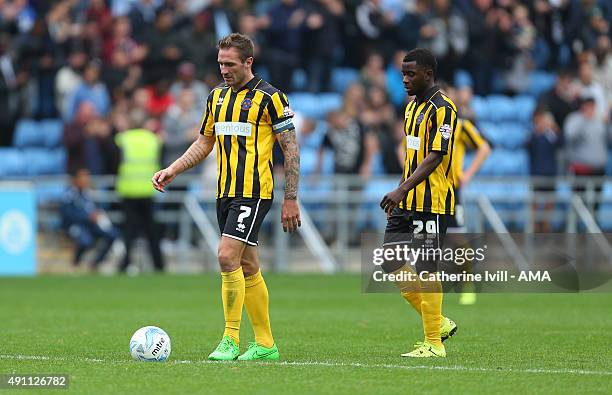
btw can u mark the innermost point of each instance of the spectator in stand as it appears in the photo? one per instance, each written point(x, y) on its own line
point(119, 76)
point(284, 24)
point(543, 145)
point(181, 125)
point(69, 78)
point(445, 33)
point(187, 81)
point(323, 26)
point(99, 12)
point(165, 48)
point(589, 87)
point(346, 137)
point(159, 98)
point(602, 67)
point(89, 142)
point(393, 80)
point(38, 56)
point(354, 101)
point(373, 72)
point(379, 121)
point(84, 221)
point(121, 40)
point(220, 17)
point(91, 90)
point(142, 14)
point(586, 140)
point(409, 26)
point(199, 42)
point(11, 82)
point(523, 38)
point(375, 26)
point(561, 99)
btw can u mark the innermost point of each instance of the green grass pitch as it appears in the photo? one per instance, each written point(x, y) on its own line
point(333, 338)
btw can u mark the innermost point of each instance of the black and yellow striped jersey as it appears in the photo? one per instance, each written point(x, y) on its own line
point(430, 125)
point(467, 138)
point(245, 124)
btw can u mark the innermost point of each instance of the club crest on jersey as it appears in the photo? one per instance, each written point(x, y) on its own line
point(420, 118)
point(445, 131)
point(287, 112)
point(246, 104)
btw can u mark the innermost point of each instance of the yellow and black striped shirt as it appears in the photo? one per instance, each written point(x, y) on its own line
point(467, 138)
point(245, 124)
point(430, 125)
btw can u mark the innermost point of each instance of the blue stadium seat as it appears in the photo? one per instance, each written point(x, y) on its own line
point(540, 82)
point(53, 130)
point(315, 138)
point(299, 80)
point(524, 106)
point(342, 78)
point(463, 78)
point(609, 164)
point(372, 194)
point(42, 161)
point(510, 135)
point(503, 162)
point(28, 134)
point(12, 163)
point(604, 215)
point(377, 167)
point(481, 108)
point(315, 106)
point(510, 200)
point(47, 193)
point(501, 108)
point(308, 160)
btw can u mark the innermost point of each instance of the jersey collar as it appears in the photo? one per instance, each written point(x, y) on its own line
point(251, 84)
point(429, 94)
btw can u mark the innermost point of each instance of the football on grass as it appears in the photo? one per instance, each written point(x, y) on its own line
point(150, 344)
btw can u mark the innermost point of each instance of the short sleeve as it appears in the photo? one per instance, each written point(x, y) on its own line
point(281, 115)
point(443, 123)
point(471, 137)
point(208, 122)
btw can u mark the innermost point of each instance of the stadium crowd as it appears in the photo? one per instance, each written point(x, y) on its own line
point(92, 63)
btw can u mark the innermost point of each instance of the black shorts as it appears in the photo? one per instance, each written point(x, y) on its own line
point(240, 218)
point(417, 230)
point(457, 222)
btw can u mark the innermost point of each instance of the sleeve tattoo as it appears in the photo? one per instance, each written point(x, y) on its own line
point(195, 153)
point(288, 143)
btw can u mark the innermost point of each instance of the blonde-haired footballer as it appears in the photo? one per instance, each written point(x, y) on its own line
point(243, 118)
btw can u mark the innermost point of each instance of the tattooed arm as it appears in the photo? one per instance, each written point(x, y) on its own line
point(290, 215)
point(194, 155)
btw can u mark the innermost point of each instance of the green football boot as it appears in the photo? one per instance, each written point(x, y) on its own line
point(227, 350)
point(426, 350)
point(256, 352)
point(447, 329)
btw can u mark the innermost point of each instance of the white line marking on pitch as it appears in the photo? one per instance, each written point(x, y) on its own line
point(334, 364)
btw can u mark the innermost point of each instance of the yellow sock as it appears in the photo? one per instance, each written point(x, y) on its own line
point(414, 298)
point(431, 312)
point(410, 290)
point(232, 293)
point(256, 301)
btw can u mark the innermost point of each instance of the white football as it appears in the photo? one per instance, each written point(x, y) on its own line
point(151, 344)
